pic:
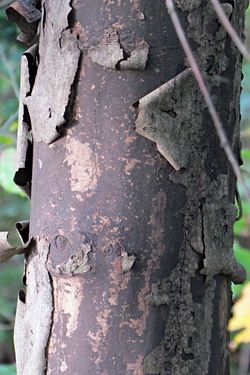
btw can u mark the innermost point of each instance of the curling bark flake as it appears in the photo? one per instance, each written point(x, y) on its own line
point(132, 207)
point(58, 62)
point(167, 117)
point(109, 53)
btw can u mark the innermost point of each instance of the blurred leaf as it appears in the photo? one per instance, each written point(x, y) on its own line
point(10, 282)
point(242, 227)
point(12, 50)
point(13, 127)
point(243, 257)
point(14, 207)
point(246, 155)
point(8, 369)
point(6, 140)
point(241, 317)
point(7, 170)
point(244, 100)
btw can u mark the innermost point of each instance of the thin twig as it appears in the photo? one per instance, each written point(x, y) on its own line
point(217, 123)
point(10, 71)
point(226, 23)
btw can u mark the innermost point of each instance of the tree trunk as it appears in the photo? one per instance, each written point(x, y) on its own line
point(132, 201)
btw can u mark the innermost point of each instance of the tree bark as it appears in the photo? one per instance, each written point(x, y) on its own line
point(132, 202)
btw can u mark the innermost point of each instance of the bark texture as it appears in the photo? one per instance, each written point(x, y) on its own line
point(132, 197)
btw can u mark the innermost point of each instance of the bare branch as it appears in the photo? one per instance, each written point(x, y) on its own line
point(226, 23)
point(217, 123)
point(10, 71)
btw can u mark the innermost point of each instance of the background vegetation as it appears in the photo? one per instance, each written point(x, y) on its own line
point(15, 206)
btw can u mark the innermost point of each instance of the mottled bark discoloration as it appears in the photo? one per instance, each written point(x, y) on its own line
point(68, 297)
point(84, 167)
point(171, 117)
point(209, 212)
point(128, 229)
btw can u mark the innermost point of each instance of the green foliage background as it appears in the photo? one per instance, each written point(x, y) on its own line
point(242, 227)
point(15, 207)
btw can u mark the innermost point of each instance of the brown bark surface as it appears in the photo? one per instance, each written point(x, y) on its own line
point(122, 235)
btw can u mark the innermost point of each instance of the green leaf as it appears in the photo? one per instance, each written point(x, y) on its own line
point(6, 140)
point(241, 227)
point(13, 127)
point(246, 153)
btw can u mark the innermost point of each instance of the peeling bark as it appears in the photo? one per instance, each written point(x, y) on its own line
point(127, 262)
point(109, 53)
point(7, 251)
point(23, 230)
point(26, 16)
point(133, 226)
point(34, 314)
point(59, 55)
point(166, 116)
point(24, 152)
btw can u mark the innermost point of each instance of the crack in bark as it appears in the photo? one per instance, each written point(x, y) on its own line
point(52, 315)
point(126, 55)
